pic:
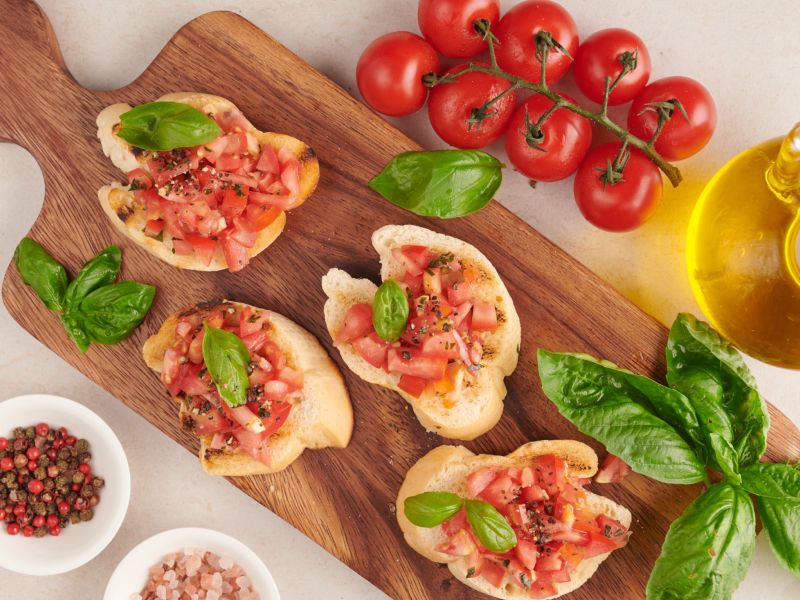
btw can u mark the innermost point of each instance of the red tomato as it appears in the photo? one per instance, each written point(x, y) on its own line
point(566, 140)
point(624, 205)
point(235, 253)
point(390, 70)
point(278, 413)
point(614, 469)
point(599, 57)
point(478, 480)
point(357, 323)
point(527, 553)
point(449, 25)
point(516, 48)
point(413, 385)
point(500, 492)
point(204, 248)
point(679, 138)
point(493, 572)
point(451, 109)
point(550, 473)
point(372, 349)
point(484, 316)
point(416, 365)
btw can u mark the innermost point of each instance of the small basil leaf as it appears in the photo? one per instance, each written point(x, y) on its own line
point(165, 126)
point(777, 481)
point(42, 272)
point(111, 313)
point(390, 311)
point(781, 519)
point(623, 411)
point(694, 345)
point(490, 527)
point(440, 183)
point(226, 358)
point(76, 332)
point(430, 509)
point(101, 270)
point(708, 549)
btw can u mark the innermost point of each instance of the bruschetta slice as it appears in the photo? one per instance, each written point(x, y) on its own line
point(461, 338)
point(212, 206)
point(296, 397)
point(562, 531)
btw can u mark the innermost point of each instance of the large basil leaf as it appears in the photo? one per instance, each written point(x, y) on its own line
point(708, 549)
point(777, 481)
point(625, 412)
point(490, 527)
point(165, 126)
point(430, 509)
point(440, 183)
point(111, 313)
point(101, 270)
point(694, 345)
point(42, 272)
point(781, 519)
point(226, 358)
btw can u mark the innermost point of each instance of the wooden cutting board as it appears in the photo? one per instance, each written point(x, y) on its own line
point(342, 499)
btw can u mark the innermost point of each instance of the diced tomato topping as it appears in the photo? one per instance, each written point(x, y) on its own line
point(261, 217)
point(527, 552)
point(493, 572)
point(228, 162)
point(613, 470)
point(252, 320)
point(277, 414)
point(372, 349)
point(478, 480)
point(414, 386)
point(441, 345)
point(518, 574)
point(484, 316)
point(291, 377)
point(233, 202)
point(414, 363)
point(501, 492)
point(268, 160)
point(235, 253)
point(357, 323)
point(290, 175)
point(460, 544)
point(204, 248)
point(409, 264)
point(419, 255)
point(182, 247)
point(139, 179)
point(153, 227)
point(255, 341)
point(279, 201)
point(550, 473)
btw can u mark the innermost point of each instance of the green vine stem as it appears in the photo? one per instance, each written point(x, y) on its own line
point(546, 44)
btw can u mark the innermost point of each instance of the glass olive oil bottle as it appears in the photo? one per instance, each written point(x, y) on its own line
point(742, 251)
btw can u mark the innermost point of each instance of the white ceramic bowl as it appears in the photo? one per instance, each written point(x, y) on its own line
point(131, 574)
point(79, 543)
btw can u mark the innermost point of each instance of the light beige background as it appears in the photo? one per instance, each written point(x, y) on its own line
point(748, 55)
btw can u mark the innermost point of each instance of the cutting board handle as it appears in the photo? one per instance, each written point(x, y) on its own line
point(38, 96)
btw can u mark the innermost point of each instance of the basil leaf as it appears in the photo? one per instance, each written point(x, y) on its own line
point(42, 272)
point(694, 345)
point(390, 311)
point(165, 126)
point(76, 332)
point(226, 358)
point(490, 527)
point(101, 270)
point(430, 509)
point(111, 313)
point(781, 519)
point(626, 412)
point(776, 481)
point(440, 183)
point(708, 549)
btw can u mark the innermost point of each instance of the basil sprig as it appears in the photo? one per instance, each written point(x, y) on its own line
point(93, 308)
point(711, 416)
point(440, 183)
point(430, 509)
point(162, 126)
point(389, 311)
point(226, 359)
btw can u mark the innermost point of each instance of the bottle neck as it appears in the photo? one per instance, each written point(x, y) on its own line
point(783, 175)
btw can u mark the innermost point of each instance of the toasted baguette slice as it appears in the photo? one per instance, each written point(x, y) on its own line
point(322, 418)
point(128, 215)
point(446, 469)
point(477, 401)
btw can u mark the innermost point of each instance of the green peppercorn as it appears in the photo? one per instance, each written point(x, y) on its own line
point(78, 477)
point(81, 445)
point(86, 515)
point(85, 457)
point(63, 454)
point(87, 491)
point(40, 508)
point(62, 465)
point(49, 484)
point(40, 532)
point(20, 461)
point(19, 432)
point(43, 461)
point(30, 432)
point(40, 473)
point(75, 517)
point(98, 482)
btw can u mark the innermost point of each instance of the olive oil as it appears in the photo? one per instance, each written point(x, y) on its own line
point(742, 251)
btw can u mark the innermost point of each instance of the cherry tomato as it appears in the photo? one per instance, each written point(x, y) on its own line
point(599, 57)
point(449, 25)
point(390, 70)
point(516, 36)
point(680, 138)
point(451, 109)
point(567, 137)
point(621, 206)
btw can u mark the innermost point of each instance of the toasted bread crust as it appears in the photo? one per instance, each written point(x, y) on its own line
point(128, 216)
point(323, 418)
point(485, 389)
point(445, 468)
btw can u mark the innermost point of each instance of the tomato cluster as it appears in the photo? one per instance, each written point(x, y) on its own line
point(616, 188)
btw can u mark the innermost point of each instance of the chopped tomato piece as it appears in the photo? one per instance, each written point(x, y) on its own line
point(268, 160)
point(414, 386)
point(419, 255)
point(275, 389)
point(261, 217)
point(372, 349)
point(243, 233)
point(459, 293)
point(235, 254)
point(153, 227)
point(533, 493)
point(290, 175)
point(432, 281)
point(252, 320)
point(139, 179)
point(414, 363)
point(551, 473)
point(549, 560)
point(493, 572)
point(182, 247)
point(613, 470)
point(519, 574)
point(409, 264)
point(459, 544)
point(527, 553)
point(279, 201)
point(195, 354)
point(291, 377)
point(357, 323)
point(255, 444)
point(210, 422)
point(204, 248)
point(478, 480)
point(484, 316)
point(233, 202)
point(255, 341)
point(500, 492)
point(441, 345)
point(277, 415)
point(236, 143)
point(228, 162)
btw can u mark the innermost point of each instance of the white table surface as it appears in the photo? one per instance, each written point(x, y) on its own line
point(745, 52)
